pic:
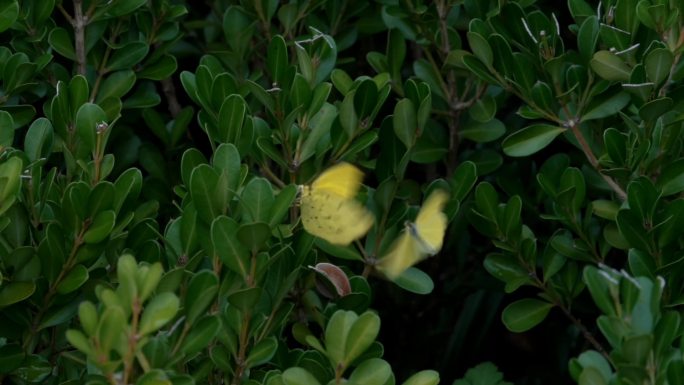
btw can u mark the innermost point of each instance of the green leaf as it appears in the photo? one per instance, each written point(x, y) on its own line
point(254, 235)
point(416, 281)
point(101, 227)
point(201, 335)
point(245, 299)
point(73, 280)
point(116, 85)
point(111, 328)
point(671, 178)
point(484, 109)
point(128, 56)
point(257, 200)
point(483, 132)
point(481, 48)
point(336, 335)
point(342, 252)
point(591, 376)
point(87, 314)
point(374, 371)
point(88, 118)
point(654, 109)
point(361, 335)
point(262, 352)
point(299, 376)
point(7, 131)
point(158, 312)
point(232, 253)
point(485, 373)
point(203, 181)
point(159, 69)
point(10, 175)
point(587, 37)
point(530, 139)
point(319, 128)
point(404, 122)
point(658, 64)
point(524, 314)
point(508, 270)
point(38, 140)
point(610, 67)
point(78, 340)
point(200, 294)
point(120, 8)
point(14, 292)
point(9, 12)
point(606, 107)
point(424, 377)
point(276, 59)
point(231, 118)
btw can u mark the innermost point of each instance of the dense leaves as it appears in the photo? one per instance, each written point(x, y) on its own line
point(154, 155)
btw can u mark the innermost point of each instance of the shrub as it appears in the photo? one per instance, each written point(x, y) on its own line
point(156, 158)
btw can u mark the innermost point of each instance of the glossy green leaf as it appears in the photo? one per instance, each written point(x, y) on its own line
point(159, 311)
point(605, 107)
point(374, 371)
point(658, 64)
point(299, 376)
point(524, 314)
point(481, 48)
point(262, 352)
point(361, 335)
point(610, 67)
point(416, 281)
point(530, 139)
point(101, 227)
point(60, 41)
point(14, 292)
point(483, 132)
point(201, 335)
point(128, 56)
point(508, 270)
point(257, 200)
point(245, 299)
point(232, 253)
point(38, 139)
point(424, 377)
point(73, 280)
point(200, 294)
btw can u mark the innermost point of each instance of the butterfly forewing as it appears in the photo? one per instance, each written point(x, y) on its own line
point(404, 253)
point(342, 179)
point(431, 222)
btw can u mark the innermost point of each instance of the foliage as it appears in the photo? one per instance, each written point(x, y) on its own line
point(153, 154)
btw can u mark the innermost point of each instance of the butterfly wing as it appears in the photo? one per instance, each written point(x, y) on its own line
point(431, 222)
point(336, 219)
point(342, 179)
point(404, 253)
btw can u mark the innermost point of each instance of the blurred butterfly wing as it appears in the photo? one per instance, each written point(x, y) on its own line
point(342, 179)
point(404, 253)
point(337, 220)
point(431, 222)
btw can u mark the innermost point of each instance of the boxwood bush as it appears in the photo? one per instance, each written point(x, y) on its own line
point(153, 155)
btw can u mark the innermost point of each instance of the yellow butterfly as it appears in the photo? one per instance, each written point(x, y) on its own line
point(420, 239)
point(328, 207)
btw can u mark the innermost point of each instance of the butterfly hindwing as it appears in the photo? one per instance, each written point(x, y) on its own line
point(431, 222)
point(420, 239)
point(328, 207)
